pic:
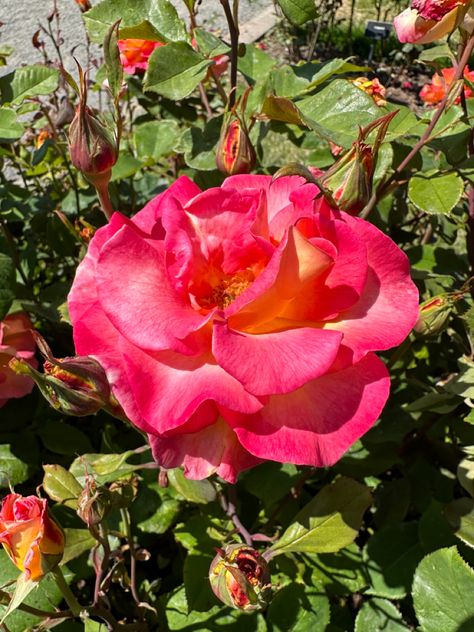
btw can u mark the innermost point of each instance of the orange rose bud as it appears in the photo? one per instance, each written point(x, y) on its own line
point(240, 577)
point(84, 5)
point(235, 152)
point(31, 537)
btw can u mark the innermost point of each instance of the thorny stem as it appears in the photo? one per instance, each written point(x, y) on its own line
point(67, 593)
point(425, 137)
point(233, 23)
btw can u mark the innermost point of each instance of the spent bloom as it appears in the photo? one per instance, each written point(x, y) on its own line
point(240, 577)
point(434, 92)
point(16, 340)
point(31, 537)
point(239, 324)
point(429, 20)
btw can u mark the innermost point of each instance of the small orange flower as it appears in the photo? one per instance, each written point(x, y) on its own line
point(434, 92)
point(32, 539)
point(372, 87)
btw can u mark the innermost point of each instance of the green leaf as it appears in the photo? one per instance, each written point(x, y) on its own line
point(441, 51)
point(194, 491)
point(23, 587)
point(27, 82)
point(340, 573)
point(175, 70)
point(209, 45)
point(113, 64)
point(379, 615)
point(63, 438)
point(335, 66)
point(199, 145)
point(61, 485)
point(7, 283)
point(125, 167)
point(465, 473)
point(155, 139)
point(144, 19)
point(13, 470)
point(78, 541)
point(198, 592)
point(460, 515)
point(442, 592)
point(162, 519)
point(298, 11)
point(435, 193)
point(298, 608)
point(391, 556)
point(255, 64)
point(329, 522)
point(94, 626)
point(105, 468)
point(10, 128)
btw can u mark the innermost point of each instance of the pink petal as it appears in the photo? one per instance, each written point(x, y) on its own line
point(316, 424)
point(169, 387)
point(215, 449)
point(278, 362)
point(388, 307)
point(139, 300)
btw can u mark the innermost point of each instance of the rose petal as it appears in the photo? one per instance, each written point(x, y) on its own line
point(278, 362)
point(316, 424)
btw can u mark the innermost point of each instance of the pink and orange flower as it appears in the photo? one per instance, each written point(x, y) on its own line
point(16, 340)
point(434, 92)
point(239, 324)
point(429, 20)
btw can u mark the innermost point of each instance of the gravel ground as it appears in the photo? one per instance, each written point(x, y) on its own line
point(21, 20)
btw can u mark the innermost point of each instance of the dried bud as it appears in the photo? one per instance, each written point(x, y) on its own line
point(94, 503)
point(349, 180)
point(76, 386)
point(92, 147)
point(434, 314)
point(235, 153)
point(240, 577)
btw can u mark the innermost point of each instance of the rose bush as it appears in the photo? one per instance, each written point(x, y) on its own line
point(238, 324)
point(16, 340)
point(32, 539)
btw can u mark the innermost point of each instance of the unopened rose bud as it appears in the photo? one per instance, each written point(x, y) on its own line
point(235, 153)
point(434, 314)
point(31, 537)
point(94, 503)
point(76, 386)
point(84, 5)
point(240, 577)
point(92, 147)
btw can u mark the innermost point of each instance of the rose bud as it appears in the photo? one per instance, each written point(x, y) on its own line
point(31, 537)
point(434, 314)
point(240, 577)
point(349, 181)
point(94, 503)
point(76, 385)
point(84, 5)
point(235, 153)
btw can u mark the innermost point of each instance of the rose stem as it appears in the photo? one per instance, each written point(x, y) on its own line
point(67, 593)
point(233, 23)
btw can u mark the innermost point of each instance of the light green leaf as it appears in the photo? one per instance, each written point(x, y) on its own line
point(125, 167)
point(441, 51)
point(105, 468)
point(175, 70)
point(442, 592)
point(7, 282)
point(61, 485)
point(379, 615)
point(298, 11)
point(113, 64)
point(329, 522)
point(13, 470)
point(23, 588)
point(465, 473)
point(155, 139)
point(10, 128)
point(78, 541)
point(298, 608)
point(255, 64)
point(209, 45)
point(144, 19)
point(194, 491)
point(27, 82)
point(434, 193)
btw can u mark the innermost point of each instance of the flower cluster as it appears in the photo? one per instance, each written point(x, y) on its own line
point(238, 324)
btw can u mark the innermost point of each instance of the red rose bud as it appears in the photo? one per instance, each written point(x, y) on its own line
point(92, 147)
point(76, 386)
point(240, 577)
point(235, 152)
point(349, 181)
point(30, 536)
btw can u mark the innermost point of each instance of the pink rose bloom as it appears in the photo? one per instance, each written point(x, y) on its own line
point(134, 53)
point(238, 324)
point(428, 20)
point(15, 341)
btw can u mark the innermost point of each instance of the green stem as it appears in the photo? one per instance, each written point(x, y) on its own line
point(104, 199)
point(66, 592)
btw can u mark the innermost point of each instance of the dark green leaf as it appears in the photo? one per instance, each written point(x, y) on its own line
point(7, 283)
point(434, 193)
